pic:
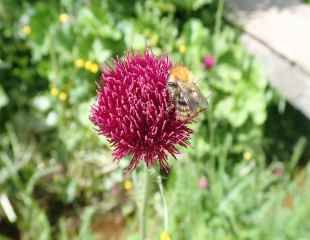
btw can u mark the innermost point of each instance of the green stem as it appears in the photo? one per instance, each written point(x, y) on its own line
point(143, 204)
point(219, 15)
point(143, 218)
point(164, 202)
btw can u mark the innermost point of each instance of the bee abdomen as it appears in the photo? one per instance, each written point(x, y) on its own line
point(182, 111)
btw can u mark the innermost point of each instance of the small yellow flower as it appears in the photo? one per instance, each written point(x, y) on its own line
point(26, 29)
point(63, 18)
point(63, 96)
point(182, 48)
point(247, 155)
point(54, 91)
point(88, 65)
point(79, 63)
point(93, 68)
point(128, 185)
point(165, 236)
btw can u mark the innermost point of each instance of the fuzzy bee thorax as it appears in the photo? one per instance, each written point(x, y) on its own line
point(180, 73)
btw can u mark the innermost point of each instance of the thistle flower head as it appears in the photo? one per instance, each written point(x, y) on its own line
point(208, 62)
point(133, 110)
point(203, 183)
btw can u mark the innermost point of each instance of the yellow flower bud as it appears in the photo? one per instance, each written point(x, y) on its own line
point(182, 48)
point(79, 63)
point(63, 18)
point(26, 29)
point(94, 68)
point(54, 91)
point(165, 236)
point(247, 155)
point(88, 65)
point(128, 185)
point(63, 96)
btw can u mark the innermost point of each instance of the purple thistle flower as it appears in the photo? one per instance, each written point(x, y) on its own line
point(203, 183)
point(209, 62)
point(133, 111)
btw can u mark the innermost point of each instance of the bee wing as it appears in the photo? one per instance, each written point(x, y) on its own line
point(180, 93)
point(194, 99)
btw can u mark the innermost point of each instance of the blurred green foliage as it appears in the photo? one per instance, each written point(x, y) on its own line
point(58, 174)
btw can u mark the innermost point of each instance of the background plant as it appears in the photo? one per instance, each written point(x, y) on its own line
point(55, 169)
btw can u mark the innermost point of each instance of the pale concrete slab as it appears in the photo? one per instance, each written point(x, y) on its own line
point(284, 24)
point(278, 32)
point(288, 79)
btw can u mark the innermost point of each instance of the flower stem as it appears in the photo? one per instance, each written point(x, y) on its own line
point(164, 202)
point(218, 16)
point(142, 200)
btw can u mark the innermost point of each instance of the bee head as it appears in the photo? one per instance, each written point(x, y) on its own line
point(180, 73)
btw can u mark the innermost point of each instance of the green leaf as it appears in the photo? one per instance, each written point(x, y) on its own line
point(85, 232)
point(71, 191)
point(224, 107)
point(83, 113)
point(4, 100)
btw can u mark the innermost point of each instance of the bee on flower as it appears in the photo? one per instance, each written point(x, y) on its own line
point(187, 98)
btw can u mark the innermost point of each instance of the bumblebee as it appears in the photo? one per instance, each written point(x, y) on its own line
point(184, 93)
